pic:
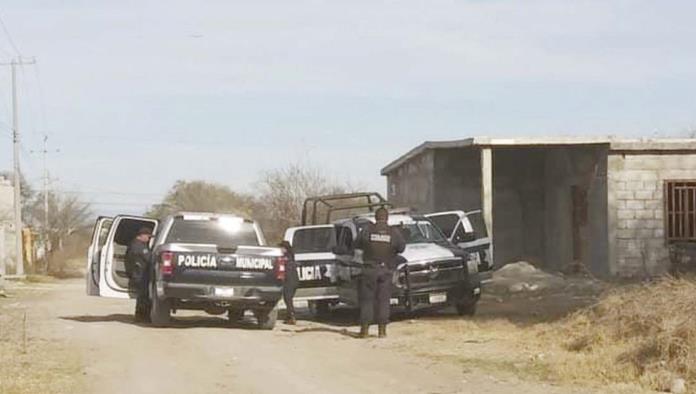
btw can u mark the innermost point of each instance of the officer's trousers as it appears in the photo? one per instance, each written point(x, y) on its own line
point(289, 289)
point(139, 283)
point(374, 292)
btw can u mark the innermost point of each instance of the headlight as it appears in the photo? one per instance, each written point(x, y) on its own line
point(398, 278)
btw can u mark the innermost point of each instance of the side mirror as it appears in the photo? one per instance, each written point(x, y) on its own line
point(467, 237)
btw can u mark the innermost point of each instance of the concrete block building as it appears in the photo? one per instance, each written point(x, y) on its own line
point(7, 238)
point(613, 204)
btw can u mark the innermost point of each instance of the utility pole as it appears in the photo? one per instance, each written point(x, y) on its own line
point(46, 228)
point(19, 258)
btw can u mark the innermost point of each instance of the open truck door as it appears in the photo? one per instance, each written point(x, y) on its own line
point(113, 280)
point(468, 231)
point(317, 264)
point(99, 235)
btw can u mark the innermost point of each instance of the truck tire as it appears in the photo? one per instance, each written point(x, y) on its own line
point(320, 308)
point(160, 310)
point(266, 318)
point(467, 307)
point(235, 315)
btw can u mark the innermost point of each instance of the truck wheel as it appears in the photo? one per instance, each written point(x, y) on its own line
point(266, 318)
point(319, 308)
point(160, 310)
point(235, 315)
point(467, 307)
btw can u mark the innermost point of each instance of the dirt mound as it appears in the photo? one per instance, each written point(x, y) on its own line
point(645, 332)
point(524, 277)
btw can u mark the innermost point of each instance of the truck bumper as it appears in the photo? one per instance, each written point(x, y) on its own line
point(485, 277)
point(211, 293)
point(316, 293)
point(433, 297)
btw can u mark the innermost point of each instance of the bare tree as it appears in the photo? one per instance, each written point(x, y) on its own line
point(282, 192)
point(68, 215)
point(204, 197)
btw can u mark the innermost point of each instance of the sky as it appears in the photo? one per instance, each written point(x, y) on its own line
point(139, 94)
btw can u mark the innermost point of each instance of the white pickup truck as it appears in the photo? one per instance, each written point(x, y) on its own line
point(468, 231)
point(434, 273)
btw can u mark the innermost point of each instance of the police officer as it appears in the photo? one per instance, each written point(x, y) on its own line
point(291, 282)
point(380, 245)
point(138, 271)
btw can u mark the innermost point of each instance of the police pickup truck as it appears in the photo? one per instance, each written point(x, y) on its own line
point(468, 231)
point(202, 261)
point(434, 272)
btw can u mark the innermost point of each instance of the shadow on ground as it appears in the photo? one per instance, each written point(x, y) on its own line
point(184, 322)
point(524, 309)
point(343, 331)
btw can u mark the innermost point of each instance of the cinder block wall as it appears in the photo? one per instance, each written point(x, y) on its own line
point(7, 237)
point(636, 209)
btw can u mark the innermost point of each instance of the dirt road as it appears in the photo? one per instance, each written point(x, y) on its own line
point(201, 354)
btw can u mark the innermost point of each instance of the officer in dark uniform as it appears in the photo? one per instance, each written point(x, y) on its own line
point(380, 245)
point(291, 282)
point(138, 271)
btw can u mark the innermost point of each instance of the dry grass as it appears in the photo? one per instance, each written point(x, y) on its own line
point(30, 364)
point(640, 333)
point(630, 339)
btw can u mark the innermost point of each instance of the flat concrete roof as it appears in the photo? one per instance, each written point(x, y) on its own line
point(613, 143)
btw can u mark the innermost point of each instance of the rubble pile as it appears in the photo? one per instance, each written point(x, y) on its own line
point(521, 277)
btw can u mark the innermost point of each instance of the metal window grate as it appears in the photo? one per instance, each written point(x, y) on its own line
point(680, 211)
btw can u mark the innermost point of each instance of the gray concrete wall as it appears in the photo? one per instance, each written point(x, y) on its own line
point(7, 237)
point(583, 167)
point(457, 179)
point(413, 184)
point(636, 215)
point(518, 205)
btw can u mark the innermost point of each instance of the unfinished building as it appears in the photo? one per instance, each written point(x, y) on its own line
point(614, 205)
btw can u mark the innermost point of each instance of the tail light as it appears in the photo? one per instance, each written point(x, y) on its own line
point(167, 263)
point(279, 267)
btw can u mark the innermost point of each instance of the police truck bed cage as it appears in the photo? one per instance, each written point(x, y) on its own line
point(332, 203)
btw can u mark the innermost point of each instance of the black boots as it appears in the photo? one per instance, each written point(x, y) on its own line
point(382, 330)
point(364, 331)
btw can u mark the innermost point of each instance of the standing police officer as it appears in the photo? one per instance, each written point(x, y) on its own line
point(380, 245)
point(291, 282)
point(138, 271)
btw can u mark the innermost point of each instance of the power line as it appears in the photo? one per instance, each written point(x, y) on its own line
point(109, 192)
point(118, 204)
point(29, 100)
point(44, 152)
point(42, 101)
point(9, 37)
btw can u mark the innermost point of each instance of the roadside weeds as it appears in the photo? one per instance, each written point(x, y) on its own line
point(30, 363)
point(631, 338)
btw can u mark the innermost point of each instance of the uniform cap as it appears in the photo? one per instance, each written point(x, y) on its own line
point(145, 231)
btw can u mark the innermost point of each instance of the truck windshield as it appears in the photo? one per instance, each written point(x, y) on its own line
point(421, 232)
point(226, 233)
